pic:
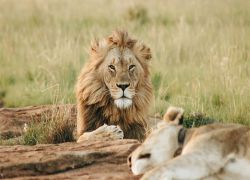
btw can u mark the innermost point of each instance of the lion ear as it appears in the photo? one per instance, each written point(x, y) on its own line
point(94, 46)
point(143, 51)
point(174, 115)
point(111, 40)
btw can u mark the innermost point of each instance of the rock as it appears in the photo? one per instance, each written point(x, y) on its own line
point(88, 160)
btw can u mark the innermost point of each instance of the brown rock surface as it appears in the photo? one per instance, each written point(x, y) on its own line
point(88, 160)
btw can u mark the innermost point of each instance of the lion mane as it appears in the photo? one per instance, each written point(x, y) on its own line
point(95, 105)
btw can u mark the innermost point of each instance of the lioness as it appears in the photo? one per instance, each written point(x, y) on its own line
point(215, 151)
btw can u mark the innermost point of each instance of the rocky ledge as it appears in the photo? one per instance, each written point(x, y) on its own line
point(88, 160)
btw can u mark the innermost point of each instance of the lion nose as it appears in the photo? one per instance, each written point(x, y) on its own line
point(123, 86)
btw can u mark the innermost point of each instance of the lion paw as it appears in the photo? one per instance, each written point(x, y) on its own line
point(104, 132)
point(111, 132)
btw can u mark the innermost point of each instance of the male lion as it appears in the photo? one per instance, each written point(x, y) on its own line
point(114, 88)
point(215, 151)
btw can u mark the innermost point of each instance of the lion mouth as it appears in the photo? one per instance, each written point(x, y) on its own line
point(123, 102)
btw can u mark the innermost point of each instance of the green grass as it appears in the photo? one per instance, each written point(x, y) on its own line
point(196, 120)
point(201, 50)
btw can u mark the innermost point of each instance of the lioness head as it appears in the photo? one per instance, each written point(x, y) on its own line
point(160, 146)
point(123, 65)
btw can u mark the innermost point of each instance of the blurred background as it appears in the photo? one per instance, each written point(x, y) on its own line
point(201, 50)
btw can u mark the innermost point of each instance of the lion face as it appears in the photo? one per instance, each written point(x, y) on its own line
point(159, 147)
point(121, 72)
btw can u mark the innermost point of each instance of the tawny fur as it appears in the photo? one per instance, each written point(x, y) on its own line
point(174, 115)
point(215, 151)
point(95, 105)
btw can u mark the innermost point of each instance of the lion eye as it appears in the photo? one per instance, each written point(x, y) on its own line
point(112, 68)
point(131, 67)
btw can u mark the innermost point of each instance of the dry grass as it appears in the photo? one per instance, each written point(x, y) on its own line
point(53, 128)
point(201, 58)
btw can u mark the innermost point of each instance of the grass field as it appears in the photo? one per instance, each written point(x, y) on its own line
point(201, 50)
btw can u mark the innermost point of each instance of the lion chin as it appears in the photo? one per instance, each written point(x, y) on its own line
point(123, 102)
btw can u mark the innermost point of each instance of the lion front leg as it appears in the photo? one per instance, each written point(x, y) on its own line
point(104, 132)
point(80, 121)
point(135, 131)
point(194, 165)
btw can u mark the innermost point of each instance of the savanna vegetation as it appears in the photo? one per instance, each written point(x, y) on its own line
point(201, 51)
